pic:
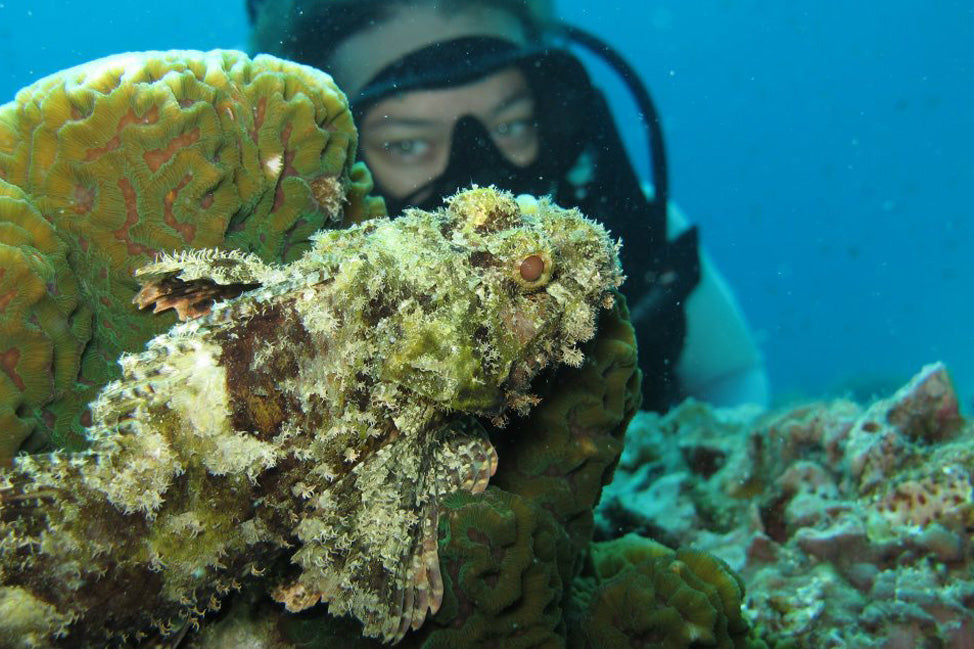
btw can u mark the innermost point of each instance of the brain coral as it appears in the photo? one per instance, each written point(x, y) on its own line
point(635, 592)
point(105, 165)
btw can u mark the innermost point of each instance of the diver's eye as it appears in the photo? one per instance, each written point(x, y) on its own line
point(534, 271)
point(514, 128)
point(517, 139)
point(406, 149)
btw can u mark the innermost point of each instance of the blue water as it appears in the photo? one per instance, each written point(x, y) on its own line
point(825, 149)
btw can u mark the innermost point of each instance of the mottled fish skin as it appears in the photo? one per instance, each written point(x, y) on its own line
point(321, 413)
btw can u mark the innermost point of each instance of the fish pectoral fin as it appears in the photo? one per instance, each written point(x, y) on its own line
point(465, 459)
point(369, 547)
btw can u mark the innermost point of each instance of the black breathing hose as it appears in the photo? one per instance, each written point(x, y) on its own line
point(644, 103)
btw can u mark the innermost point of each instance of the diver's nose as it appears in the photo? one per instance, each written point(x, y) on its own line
point(474, 159)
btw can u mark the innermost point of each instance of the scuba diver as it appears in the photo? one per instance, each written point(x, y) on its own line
point(448, 93)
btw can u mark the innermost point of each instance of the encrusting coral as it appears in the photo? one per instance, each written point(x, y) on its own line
point(327, 407)
point(108, 164)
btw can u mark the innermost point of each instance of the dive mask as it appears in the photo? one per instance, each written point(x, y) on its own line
point(561, 91)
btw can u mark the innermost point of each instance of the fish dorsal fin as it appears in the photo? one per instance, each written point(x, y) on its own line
point(192, 281)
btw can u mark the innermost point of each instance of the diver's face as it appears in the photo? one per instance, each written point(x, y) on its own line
point(406, 139)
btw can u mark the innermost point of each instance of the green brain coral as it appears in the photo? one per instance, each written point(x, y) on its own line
point(636, 592)
point(108, 164)
point(568, 447)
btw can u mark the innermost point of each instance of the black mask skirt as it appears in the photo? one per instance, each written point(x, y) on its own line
point(575, 130)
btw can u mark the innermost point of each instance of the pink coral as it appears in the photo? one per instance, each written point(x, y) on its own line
point(936, 497)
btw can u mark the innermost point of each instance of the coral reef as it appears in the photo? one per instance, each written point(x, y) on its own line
point(850, 525)
point(308, 436)
point(105, 165)
point(321, 416)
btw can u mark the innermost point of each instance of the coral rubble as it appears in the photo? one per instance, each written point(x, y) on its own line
point(322, 415)
point(107, 164)
point(850, 525)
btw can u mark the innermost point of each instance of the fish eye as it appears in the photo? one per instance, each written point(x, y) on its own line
point(533, 271)
point(531, 268)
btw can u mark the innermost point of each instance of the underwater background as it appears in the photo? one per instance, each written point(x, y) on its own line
point(824, 148)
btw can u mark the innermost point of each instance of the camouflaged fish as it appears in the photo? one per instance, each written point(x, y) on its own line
point(317, 411)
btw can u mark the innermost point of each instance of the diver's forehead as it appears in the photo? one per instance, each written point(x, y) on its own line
point(489, 98)
point(410, 28)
